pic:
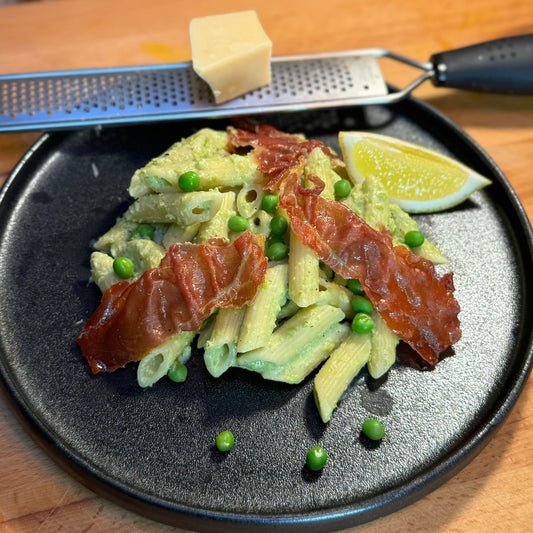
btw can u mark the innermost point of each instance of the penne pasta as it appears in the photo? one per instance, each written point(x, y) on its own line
point(260, 316)
point(376, 207)
point(344, 363)
point(304, 362)
point(304, 273)
point(102, 272)
point(249, 199)
point(115, 237)
point(175, 207)
point(337, 295)
point(293, 335)
point(157, 363)
point(303, 262)
point(355, 200)
point(217, 226)
point(205, 152)
point(259, 223)
point(145, 254)
point(319, 164)
point(383, 349)
point(176, 234)
point(403, 223)
point(220, 350)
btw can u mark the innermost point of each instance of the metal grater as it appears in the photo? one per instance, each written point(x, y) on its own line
point(70, 99)
point(74, 99)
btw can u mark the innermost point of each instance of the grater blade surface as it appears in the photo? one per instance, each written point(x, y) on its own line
point(81, 98)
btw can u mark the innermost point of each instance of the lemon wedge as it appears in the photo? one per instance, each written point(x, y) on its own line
point(418, 179)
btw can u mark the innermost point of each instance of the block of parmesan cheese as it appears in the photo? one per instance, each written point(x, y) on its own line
point(231, 52)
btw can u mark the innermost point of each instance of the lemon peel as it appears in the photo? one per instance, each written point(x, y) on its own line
point(417, 178)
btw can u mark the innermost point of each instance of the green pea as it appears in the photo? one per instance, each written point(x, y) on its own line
point(414, 238)
point(373, 429)
point(123, 267)
point(189, 181)
point(362, 323)
point(277, 251)
point(274, 239)
point(143, 231)
point(177, 373)
point(269, 202)
point(237, 223)
point(355, 286)
point(225, 441)
point(342, 188)
point(316, 458)
point(279, 225)
point(361, 304)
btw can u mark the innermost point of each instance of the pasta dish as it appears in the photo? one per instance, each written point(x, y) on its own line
point(257, 247)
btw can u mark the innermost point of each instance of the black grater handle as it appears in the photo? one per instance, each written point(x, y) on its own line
point(500, 66)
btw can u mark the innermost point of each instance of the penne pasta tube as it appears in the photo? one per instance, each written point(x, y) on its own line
point(293, 335)
point(304, 273)
point(157, 363)
point(259, 223)
point(144, 253)
point(376, 207)
point(403, 222)
point(102, 272)
point(249, 199)
point(204, 152)
point(383, 348)
point(337, 295)
point(355, 200)
point(206, 330)
point(336, 374)
point(115, 237)
point(176, 234)
point(221, 349)
point(175, 207)
point(217, 226)
point(370, 202)
point(319, 164)
point(228, 170)
point(304, 362)
point(260, 316)
point(288, 309)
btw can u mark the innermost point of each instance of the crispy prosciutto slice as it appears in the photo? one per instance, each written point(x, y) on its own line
point(179, 295)
point(276, 151)
point(416, 305)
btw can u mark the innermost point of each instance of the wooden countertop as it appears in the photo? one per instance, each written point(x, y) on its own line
point(495, 491)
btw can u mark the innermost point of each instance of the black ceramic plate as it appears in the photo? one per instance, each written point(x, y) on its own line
point(153, 451)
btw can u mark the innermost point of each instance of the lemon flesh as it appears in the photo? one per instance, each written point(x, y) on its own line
point(415, 177)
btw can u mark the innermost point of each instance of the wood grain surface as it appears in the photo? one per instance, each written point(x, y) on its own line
point(494, 493)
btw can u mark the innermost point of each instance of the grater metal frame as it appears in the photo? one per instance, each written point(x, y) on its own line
point(113, 96)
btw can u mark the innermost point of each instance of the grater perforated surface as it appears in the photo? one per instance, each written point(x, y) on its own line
point(139, 94)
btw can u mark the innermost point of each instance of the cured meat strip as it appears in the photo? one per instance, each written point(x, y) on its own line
point(191, 280)
point(276, 151)
point(416, 305)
